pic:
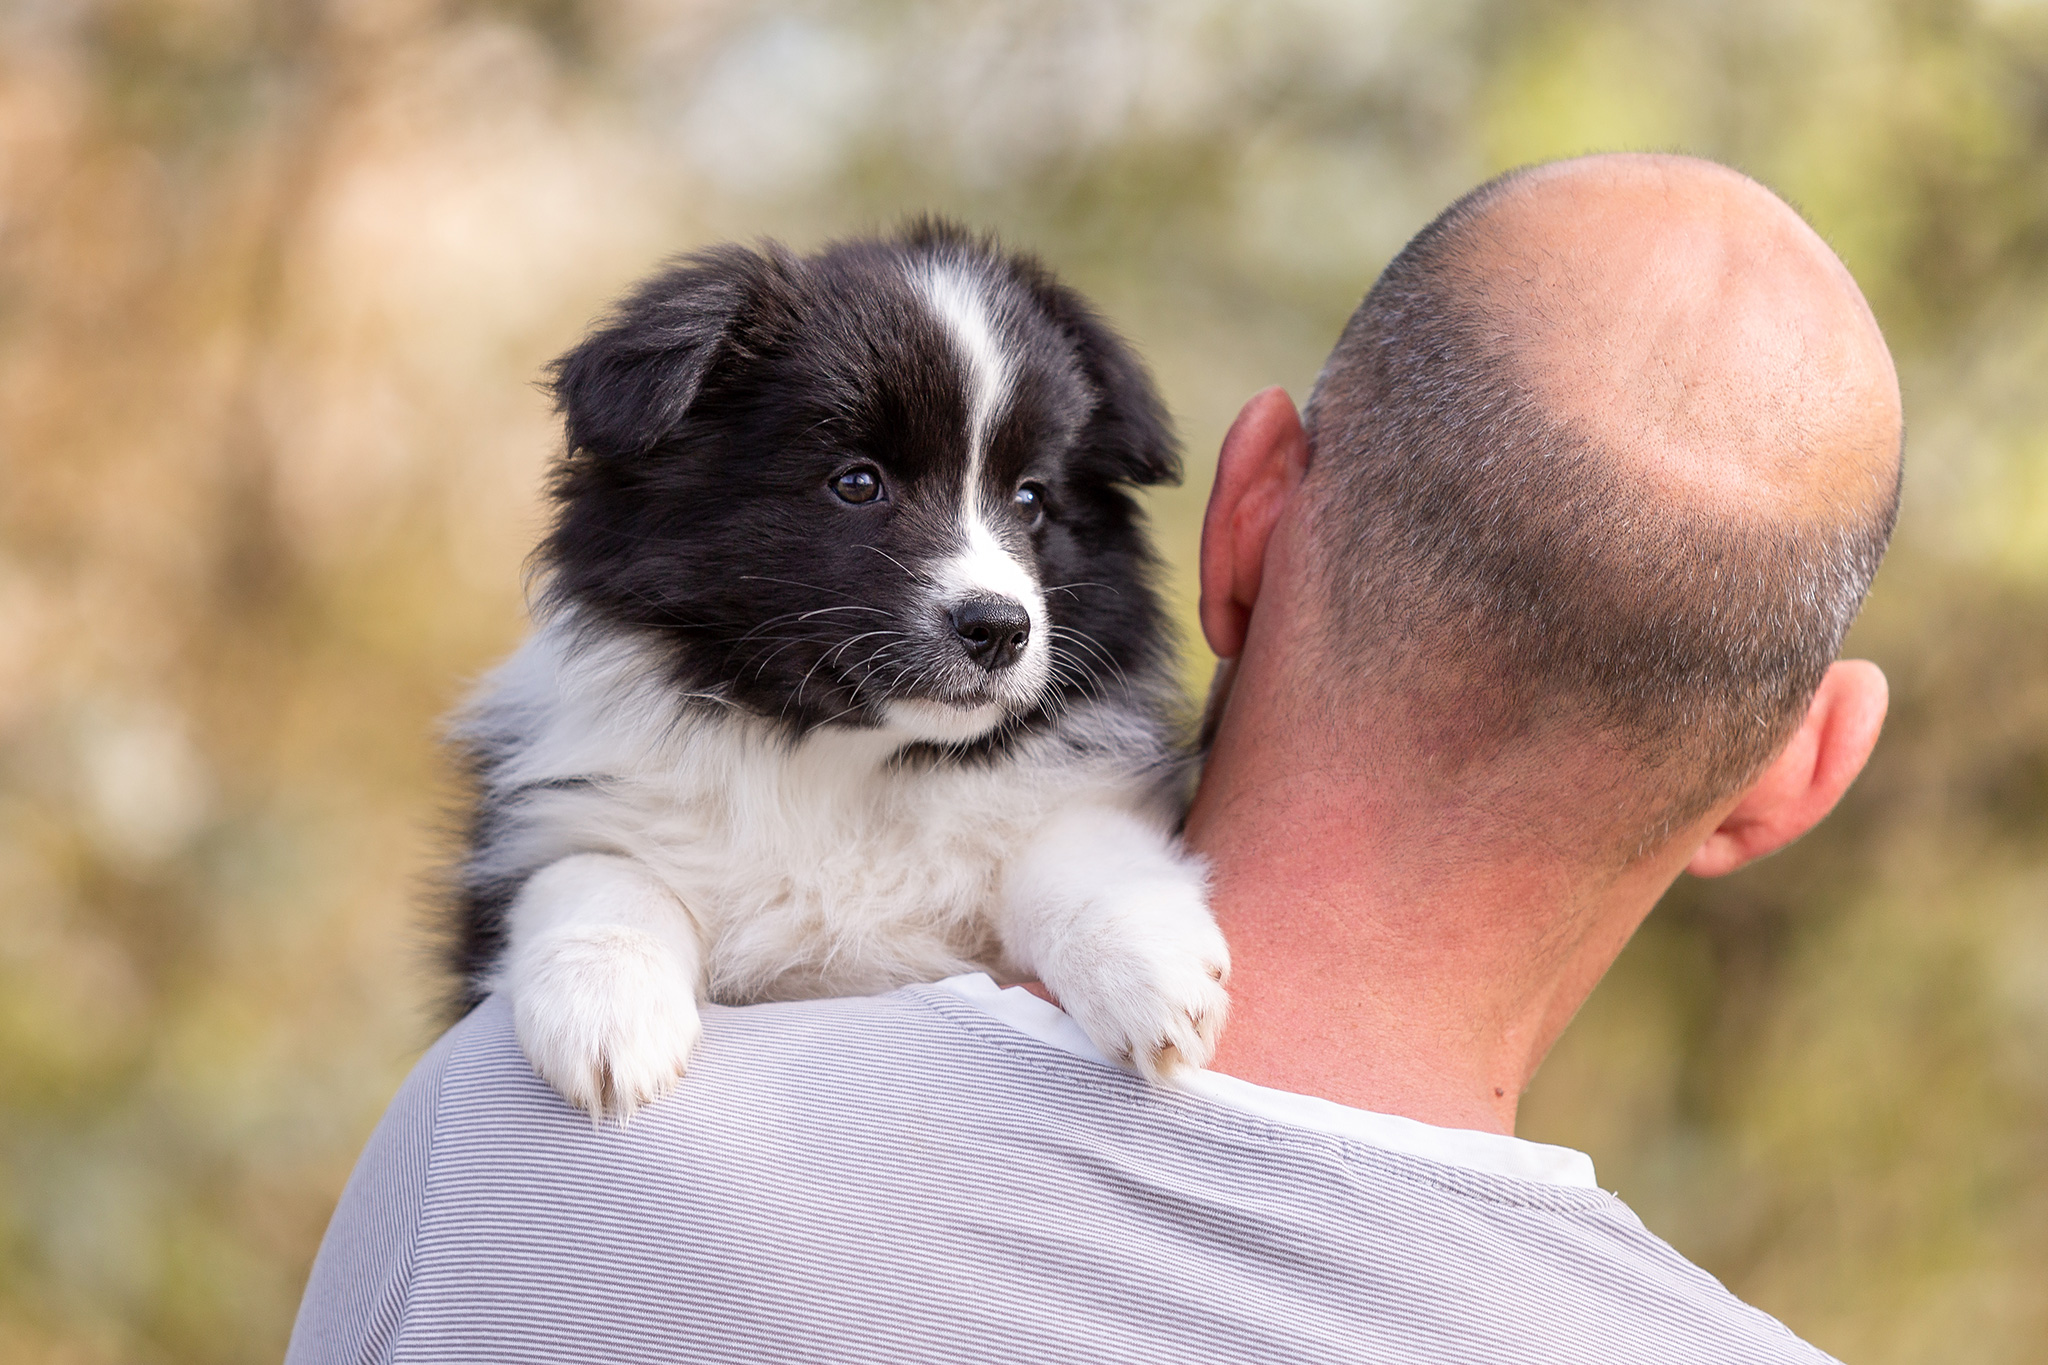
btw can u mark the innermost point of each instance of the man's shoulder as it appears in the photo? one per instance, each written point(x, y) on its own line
point(356, 1295)
point(902, 1177)
point(748, 1055)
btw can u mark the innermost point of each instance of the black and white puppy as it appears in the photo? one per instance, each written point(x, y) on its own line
point(847, 670)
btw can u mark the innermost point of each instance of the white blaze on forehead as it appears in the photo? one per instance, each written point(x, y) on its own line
point(982, 566)
point(959, 302)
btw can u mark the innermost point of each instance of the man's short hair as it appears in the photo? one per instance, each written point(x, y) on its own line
point(1479, 548)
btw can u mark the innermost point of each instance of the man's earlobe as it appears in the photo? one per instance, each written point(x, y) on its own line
point(1261, 463)
point(1806, 779)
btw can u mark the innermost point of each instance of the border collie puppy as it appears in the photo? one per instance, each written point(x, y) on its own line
point(847, 670)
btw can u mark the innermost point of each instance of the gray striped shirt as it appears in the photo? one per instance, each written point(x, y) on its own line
point(910, 1177)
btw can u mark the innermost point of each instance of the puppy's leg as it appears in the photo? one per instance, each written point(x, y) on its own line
point(1115, 920)
point(603, 969)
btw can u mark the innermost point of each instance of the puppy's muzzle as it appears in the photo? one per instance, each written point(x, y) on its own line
point(991, 631)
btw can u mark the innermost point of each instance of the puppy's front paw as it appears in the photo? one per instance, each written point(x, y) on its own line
point(1144, 978)
point(607, 1016)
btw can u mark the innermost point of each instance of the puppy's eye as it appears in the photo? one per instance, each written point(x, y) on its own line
point(1030, 500)
point(862, 483)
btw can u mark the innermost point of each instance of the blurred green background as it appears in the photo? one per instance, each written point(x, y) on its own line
point(276, 279)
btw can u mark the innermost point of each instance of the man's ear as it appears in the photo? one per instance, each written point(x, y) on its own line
point(1808, 777)
point(1261, 464)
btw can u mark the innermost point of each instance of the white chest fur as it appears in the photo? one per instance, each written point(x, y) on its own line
point(709, 853)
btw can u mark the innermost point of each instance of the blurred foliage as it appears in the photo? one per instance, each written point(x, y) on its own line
point(275, 279)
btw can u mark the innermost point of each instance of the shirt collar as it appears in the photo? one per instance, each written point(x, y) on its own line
point(1494, 1153)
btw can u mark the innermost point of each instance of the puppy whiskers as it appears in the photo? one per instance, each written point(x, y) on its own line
point(909, 572)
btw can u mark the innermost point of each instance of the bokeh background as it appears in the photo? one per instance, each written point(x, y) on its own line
point(276, 280)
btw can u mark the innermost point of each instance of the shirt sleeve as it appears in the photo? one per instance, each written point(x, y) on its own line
point(356, 1295)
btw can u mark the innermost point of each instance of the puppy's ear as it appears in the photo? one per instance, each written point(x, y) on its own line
point(633, 380)
point(1129, 435)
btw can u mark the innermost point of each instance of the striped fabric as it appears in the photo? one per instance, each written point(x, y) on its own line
point(905, 1178)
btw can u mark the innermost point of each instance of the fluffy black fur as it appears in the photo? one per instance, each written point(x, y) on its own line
point(707, 419)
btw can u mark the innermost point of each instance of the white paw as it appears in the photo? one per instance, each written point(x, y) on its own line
point(1143, 974)
point(607, 1015)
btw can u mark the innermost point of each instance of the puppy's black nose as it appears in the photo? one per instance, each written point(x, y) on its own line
point(993, 630)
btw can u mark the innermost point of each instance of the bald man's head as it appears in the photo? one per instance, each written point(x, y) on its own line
point(1611, 448)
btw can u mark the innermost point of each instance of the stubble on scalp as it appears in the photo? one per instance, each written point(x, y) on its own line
point(1606, 459)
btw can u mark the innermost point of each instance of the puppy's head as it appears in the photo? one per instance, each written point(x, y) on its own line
point(885, 485)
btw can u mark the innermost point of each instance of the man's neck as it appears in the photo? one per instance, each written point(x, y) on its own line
point(1391, 955)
